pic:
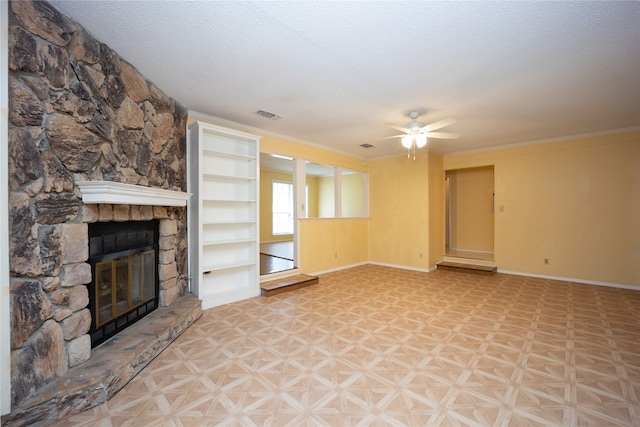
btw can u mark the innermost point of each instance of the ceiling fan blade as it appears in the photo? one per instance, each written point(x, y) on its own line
point(439, 124)
point(391, 125)
point(395, 136)
point(443, 135)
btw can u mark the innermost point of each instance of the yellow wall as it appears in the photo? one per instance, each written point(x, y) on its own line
point(576, 203)
point(399, 211)
point(326, 197)
point(327, 244)
point(352, 195)
point(266, 204)
point(436, 209)
point(471, 215)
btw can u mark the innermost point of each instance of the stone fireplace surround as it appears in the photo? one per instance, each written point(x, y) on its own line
point(78, 114)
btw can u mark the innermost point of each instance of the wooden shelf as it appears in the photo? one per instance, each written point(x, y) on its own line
point(229, 201)
point(206, 269)
point(227, 154)
point(228, 177)
point(227, 242)
point(227, 222)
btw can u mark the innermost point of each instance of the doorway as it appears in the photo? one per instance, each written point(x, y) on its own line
point(277, 219)
point(469, 213)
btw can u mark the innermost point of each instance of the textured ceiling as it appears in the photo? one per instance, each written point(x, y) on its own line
point(509, 72)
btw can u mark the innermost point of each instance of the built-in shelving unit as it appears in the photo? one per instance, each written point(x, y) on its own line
point(223, 214)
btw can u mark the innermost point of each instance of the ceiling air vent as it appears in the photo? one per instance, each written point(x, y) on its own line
point(366, 145)
point(268, 115)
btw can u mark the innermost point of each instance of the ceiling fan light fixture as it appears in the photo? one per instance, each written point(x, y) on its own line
point(407, 141)
point(417, 134)
point(421, 140)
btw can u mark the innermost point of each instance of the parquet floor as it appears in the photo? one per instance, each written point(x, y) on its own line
point(276, 257)
point(282, 250)
point(380, 346)
point(271, 264)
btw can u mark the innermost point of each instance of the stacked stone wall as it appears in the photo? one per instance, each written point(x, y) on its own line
point(77, 112)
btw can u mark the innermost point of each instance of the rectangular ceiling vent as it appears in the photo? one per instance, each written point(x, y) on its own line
point(366, 145)
point(268, 115)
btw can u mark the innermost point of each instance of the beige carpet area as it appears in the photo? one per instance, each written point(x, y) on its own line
point(380, 346)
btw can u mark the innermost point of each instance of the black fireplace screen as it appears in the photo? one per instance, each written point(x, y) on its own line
point(124, 289)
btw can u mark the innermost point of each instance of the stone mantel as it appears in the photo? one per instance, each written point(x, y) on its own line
point(119, 193)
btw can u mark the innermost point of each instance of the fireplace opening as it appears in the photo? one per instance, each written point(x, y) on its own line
point(124, 271)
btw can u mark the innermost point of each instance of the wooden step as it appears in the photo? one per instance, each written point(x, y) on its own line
point(285, 284)
point(460, 267)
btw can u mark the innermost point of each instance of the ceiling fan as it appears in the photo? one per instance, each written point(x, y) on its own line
point(416, 133)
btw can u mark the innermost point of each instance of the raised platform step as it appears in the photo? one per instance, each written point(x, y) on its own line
point(285, 284)
point(460, 267)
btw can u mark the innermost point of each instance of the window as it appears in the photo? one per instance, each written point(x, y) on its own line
point(282, 207)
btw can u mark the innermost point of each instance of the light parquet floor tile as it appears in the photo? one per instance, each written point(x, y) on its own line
point(378, 346)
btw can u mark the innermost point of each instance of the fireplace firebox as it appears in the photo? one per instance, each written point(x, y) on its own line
point(124, 265)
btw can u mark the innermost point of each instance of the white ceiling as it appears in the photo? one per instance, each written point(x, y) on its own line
point(336, 71)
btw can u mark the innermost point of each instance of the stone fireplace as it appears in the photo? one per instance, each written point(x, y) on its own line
point(124, 286)
point(91, 141)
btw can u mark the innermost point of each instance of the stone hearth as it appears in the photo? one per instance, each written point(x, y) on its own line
point(112, 365)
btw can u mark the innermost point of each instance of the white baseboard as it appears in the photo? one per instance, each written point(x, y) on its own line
point(431, 269)
point(571, 279)
point(404, 267)
point(342, 267)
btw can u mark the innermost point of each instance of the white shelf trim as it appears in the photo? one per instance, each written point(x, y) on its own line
point(228, 154)
point(229, 177)
point(206, 269)
point(227, 242)
point(119, 193)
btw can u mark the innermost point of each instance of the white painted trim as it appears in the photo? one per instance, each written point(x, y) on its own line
point(224, 130)
point(331, 270)
point(571, 279)
point(404, 267)
point(119, 193)
point(517, 273)
point(5, 309)
point(224, 122)
point(546, 141)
